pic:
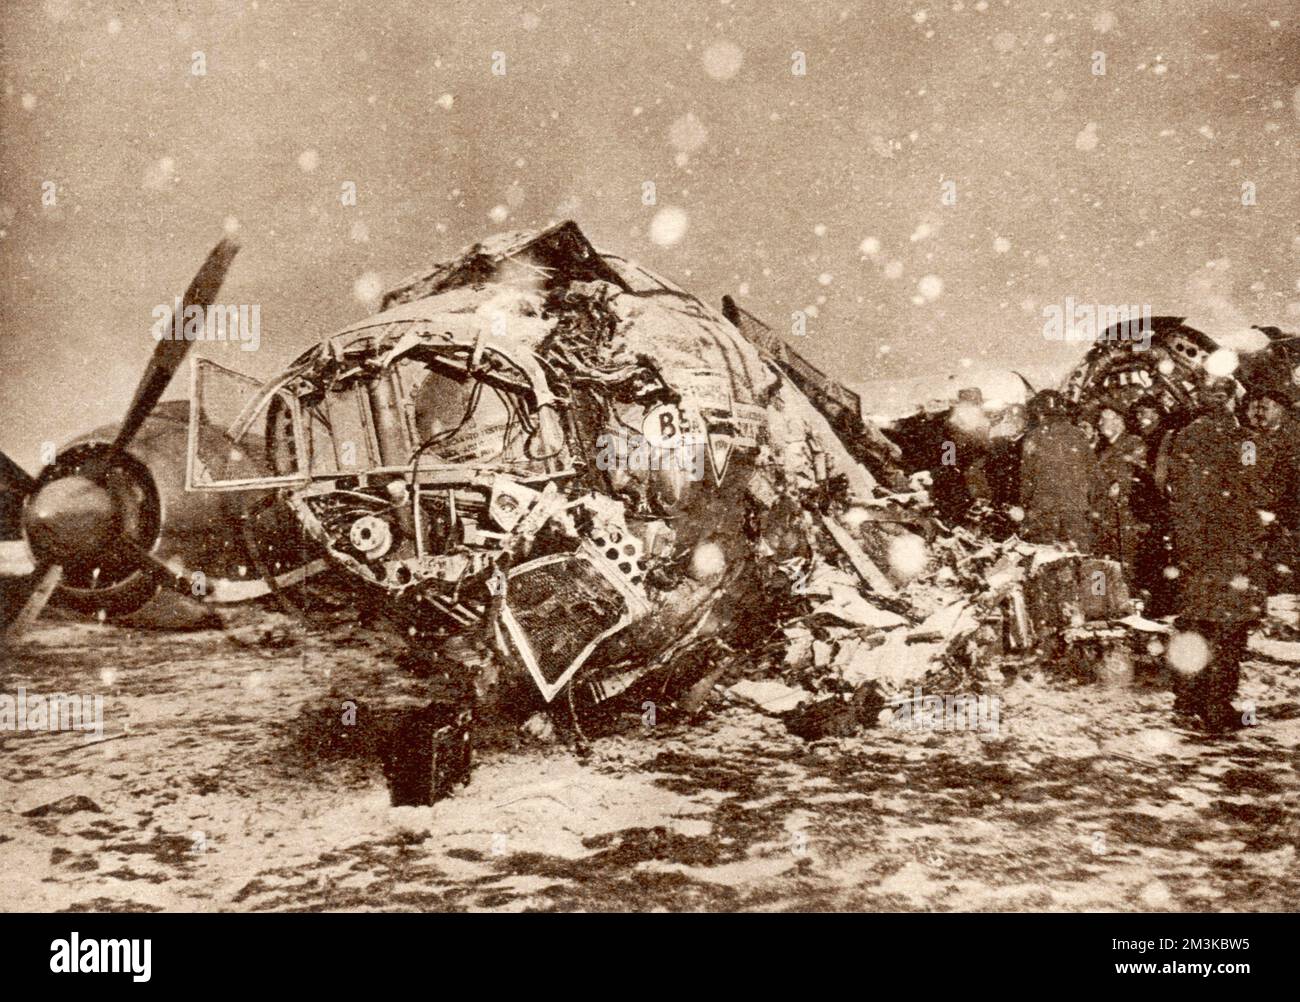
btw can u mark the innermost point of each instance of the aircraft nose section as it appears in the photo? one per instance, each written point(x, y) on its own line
point(70, 516)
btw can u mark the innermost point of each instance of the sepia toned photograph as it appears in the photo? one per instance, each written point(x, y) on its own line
point(630, 456)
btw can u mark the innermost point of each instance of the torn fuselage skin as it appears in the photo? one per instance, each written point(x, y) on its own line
point(510, 453)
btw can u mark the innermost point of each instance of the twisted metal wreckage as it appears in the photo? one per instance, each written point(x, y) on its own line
point(542, 458)
point(555, 468)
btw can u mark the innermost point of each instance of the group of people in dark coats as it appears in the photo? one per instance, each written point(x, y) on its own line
point(1204, 518)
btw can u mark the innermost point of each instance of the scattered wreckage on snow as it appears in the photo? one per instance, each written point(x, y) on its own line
point(548, 463)
point(545, 462)
point(571, 481)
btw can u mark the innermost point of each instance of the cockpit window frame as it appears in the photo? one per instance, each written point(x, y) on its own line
point(330, 363)
point(256, 405)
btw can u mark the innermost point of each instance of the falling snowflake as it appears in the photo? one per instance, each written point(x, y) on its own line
point(368, 288)
point(687, 134)
point(908, 556)
point(722, 60)
point(707, 561)
point(1222, 362)
point(1188, 653)
point(668, 226)
point(930, 287)
point(308, 160)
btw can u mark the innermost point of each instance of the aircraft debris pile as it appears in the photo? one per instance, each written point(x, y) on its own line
point(977, 611)
point(581, 477)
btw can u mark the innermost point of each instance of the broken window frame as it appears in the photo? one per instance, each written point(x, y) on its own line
point(256, 405)
point(331, 400)
point(333, 370)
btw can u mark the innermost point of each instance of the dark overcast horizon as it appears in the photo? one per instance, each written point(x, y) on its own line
point(823, 190)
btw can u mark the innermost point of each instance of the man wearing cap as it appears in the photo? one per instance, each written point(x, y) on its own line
point(1218, 540)
point(1275, 436)
point(961, 477)
point(1156, 551)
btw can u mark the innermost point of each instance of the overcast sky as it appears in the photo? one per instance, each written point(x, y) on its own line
point(822, 190)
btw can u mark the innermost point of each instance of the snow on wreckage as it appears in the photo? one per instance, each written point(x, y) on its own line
point(495, 456)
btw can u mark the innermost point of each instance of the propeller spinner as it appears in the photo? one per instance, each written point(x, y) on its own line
point(93, 513)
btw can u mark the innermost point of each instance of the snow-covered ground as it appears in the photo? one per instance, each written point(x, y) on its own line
point(226, 779)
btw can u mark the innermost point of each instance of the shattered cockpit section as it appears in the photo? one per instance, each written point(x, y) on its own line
point(541, 444)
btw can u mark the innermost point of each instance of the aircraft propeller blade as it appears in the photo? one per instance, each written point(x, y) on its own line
point(169, 354)
point(14, 478)
point(35, 602)
point(156, 569)
point(76, 512)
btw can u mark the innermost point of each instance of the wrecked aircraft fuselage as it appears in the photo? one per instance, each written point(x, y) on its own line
point(543, 448)
point(1172, 361)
